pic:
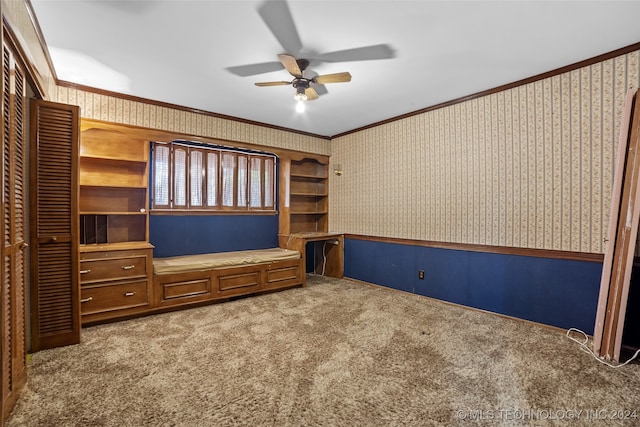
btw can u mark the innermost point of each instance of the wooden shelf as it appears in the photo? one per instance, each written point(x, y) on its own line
point(306, 176)
point(97, 172)
point(112, 213)
point(120, 246)
point(309, 213)
point(112, 158)
point(96, 199)
point(309, 194)
point(309, 168)
point(112, 145)
point(318, 188)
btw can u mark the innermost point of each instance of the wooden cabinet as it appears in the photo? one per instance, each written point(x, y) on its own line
point(114, 280)
point(115, 255)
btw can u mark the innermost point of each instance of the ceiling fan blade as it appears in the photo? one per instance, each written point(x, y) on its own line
point(262, 84)
point(366, 53)
point(290, 64)
point(311, 94)
point(277, 16)
point(253, 69)
point(332, 78)
point(319, 88)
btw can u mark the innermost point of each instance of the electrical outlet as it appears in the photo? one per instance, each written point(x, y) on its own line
point(421, 274)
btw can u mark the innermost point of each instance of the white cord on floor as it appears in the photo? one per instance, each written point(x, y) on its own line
point(584, 347)
point(324, 256)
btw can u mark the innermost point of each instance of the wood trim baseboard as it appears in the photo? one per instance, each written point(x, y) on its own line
point(506, 250)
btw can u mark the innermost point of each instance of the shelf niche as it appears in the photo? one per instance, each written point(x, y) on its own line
point(100, 229)
point(109, 199)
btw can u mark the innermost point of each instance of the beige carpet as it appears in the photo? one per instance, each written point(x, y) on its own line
point(334, 353)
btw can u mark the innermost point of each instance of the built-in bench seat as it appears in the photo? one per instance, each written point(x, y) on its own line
point(189, 279)
point(179, 264)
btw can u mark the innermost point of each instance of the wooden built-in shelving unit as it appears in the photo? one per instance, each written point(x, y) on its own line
point(304, 213)
point(115, 254)
point(308, 196)
point(113, 188)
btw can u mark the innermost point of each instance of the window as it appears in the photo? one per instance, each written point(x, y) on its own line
point(196, 177)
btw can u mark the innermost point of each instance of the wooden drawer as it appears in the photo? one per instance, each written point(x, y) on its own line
point(88, 254)
point(172, 290)
point(282, 274)
point(185, 291)
point(98, 270)
point(190, 289)
point(119, 296)
point(239, 280)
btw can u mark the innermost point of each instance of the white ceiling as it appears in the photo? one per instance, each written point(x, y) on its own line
point(179, 51)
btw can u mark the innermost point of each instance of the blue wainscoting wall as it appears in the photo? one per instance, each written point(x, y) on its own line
point(174, 235)
point(561, 293)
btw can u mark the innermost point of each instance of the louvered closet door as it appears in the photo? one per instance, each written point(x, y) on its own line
point(14, 246)
point(55, 294)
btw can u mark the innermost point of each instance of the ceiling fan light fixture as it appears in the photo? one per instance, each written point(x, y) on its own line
point(300, 95)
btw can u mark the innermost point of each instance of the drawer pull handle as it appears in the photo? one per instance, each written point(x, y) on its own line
point(86, 300)
point(85, 271)
point(129, 294)
point(128, 267)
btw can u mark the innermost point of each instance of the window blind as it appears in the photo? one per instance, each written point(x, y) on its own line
point(196, 177)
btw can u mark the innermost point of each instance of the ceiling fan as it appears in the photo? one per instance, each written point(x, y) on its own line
point(277, 17)
point(302, 85)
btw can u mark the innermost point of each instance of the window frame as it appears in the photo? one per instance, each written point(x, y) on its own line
point(236, 206)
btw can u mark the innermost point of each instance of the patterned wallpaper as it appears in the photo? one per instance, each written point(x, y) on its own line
point(528, 167)
point(119, 110)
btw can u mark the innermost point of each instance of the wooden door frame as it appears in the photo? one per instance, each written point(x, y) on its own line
point(621, 235)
